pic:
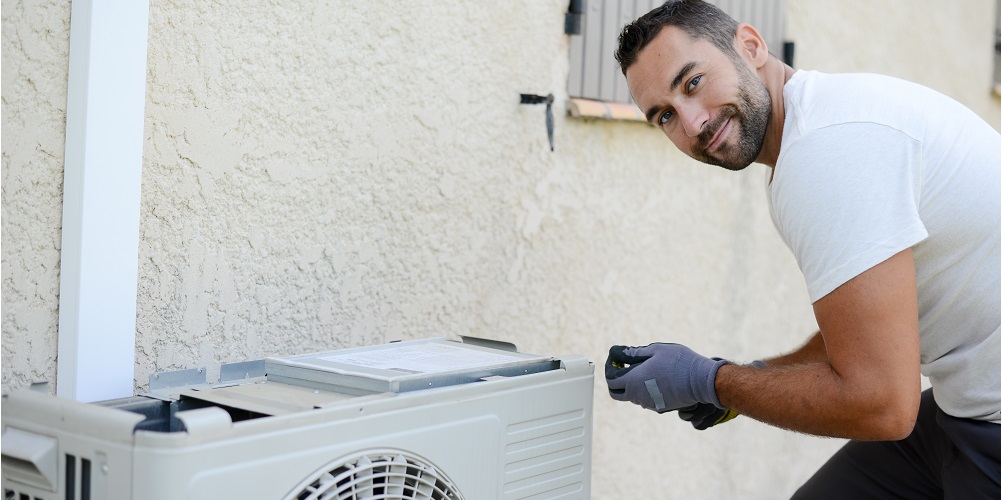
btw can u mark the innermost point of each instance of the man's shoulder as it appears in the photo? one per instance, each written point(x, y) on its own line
point(816, 100)
point(817, 84)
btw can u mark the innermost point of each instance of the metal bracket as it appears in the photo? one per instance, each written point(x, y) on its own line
point(493, 344)
point(179, 378)
point(574, 16)
point(548, 101)
point(242, 370)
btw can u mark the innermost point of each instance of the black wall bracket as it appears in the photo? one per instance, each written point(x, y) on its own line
point(542, 99)
point(572, 20)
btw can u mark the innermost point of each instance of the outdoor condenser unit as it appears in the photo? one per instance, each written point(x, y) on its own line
point(425, 419)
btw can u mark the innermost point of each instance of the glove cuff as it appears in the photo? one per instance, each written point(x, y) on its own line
point(708, 393)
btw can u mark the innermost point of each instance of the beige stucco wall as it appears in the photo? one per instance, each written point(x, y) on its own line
point(34, 67)
point(328, 174)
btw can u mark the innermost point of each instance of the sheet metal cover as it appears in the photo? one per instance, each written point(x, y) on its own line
point(400, 362)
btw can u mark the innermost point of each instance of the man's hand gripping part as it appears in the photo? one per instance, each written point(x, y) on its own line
point(667, 377)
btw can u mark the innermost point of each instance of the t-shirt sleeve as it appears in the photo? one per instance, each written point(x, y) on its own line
point(846, 198)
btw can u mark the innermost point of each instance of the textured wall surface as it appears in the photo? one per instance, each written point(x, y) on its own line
point(323, 174)
point(35, 53)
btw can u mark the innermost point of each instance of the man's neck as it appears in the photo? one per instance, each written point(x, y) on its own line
point(774, 75)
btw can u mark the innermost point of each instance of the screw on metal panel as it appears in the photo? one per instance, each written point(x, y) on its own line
point(156, 375)
point(104, 468)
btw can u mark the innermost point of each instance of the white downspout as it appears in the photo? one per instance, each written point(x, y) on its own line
point(102, 180)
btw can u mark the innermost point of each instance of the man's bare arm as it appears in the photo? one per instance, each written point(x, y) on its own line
point(867, 386)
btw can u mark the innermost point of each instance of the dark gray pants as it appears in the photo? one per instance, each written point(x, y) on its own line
point(944, 457)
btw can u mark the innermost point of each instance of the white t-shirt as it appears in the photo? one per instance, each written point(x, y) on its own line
point(871, 165)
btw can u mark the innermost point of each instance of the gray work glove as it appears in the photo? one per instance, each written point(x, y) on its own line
point(702, 416)
point(661, 377)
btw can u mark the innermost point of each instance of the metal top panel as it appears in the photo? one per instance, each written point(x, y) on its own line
point(402, 366)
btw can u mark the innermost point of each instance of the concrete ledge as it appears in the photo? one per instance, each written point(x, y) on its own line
point(587, 108)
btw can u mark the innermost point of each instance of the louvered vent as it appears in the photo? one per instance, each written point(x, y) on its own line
point(386, 474)
point(77, 485)
point(77, 480)
point(11, 494)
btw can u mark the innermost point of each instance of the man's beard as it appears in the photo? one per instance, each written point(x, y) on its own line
point(751, 113)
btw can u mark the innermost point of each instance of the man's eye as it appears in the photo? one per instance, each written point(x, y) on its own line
point(664, 117)
point(694, 82)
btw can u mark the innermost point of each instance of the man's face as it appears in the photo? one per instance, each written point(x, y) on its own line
point(712, 107)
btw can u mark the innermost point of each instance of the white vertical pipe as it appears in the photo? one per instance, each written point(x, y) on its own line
point(99, 265)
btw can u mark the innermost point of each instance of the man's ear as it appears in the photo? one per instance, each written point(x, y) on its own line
point(750, 45)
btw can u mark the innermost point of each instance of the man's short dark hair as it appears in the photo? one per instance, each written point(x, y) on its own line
point(697, 18)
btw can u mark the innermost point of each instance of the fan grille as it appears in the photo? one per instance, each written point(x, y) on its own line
point(386, 474)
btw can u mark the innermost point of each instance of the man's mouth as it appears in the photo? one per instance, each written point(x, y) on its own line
point(719, 137)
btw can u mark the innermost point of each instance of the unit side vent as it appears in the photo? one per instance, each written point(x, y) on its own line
point(384, 474)
point(545, 457)
point(10, 494)
point(77, 478)
point(77, 485)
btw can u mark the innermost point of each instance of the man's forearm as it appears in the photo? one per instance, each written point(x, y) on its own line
point(807, 397)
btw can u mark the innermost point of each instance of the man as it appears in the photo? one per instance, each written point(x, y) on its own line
point(888, 195)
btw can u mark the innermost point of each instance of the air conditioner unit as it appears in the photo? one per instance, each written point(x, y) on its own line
point(426, 419)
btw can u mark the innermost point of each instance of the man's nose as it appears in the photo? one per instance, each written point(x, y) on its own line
point(693, 117)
